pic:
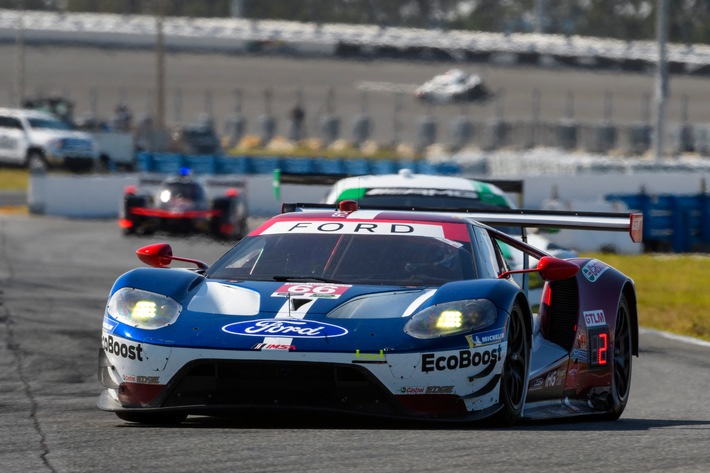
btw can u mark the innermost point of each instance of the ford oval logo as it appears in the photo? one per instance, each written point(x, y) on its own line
point(284, 328)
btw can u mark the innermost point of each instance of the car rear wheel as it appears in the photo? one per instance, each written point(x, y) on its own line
point(513, 385)
point(621, 365)
point(153, 418)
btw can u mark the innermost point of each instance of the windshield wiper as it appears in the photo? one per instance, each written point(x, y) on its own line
point(305, 279)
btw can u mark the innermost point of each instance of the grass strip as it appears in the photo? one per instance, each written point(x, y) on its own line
point(671, 290)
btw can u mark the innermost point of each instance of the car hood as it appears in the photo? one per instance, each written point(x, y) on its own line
point(249, 298)
point(42, 135)
point(313, 316)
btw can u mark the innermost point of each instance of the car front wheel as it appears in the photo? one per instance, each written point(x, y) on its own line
point(513, 385)
point(621, 365)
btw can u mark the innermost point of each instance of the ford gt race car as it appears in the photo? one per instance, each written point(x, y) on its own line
point(400, 314)
point(183, 205)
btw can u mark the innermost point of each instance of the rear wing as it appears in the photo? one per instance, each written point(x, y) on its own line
point(523, 218)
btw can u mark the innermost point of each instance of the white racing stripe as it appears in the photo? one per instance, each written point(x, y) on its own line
point(286, 313)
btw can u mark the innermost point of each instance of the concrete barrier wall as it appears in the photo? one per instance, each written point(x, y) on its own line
point(100, 196)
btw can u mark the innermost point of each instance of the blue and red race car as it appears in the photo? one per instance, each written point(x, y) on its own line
point(183, 204)
point(405, 314)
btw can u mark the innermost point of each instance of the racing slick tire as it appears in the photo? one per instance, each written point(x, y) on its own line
point(231, 216)
point(514, 376)
point(621, 364)
point(129, 202)
point(153, 418)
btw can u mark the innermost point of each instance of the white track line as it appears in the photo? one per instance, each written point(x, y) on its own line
point(678, 338)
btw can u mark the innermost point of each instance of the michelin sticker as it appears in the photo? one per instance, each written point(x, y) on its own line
point(486, 338)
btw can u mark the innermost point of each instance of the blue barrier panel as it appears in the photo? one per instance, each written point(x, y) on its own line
point(201, 164)
point(356, 166)
point(233, 165)
point(328, 166)
point(168, 163)
point(383, 166)
point(447, 169)
point(675, 223)
point(144, 161)
point(297, 165)
point(264, 164)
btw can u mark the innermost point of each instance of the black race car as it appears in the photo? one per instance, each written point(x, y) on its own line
point(185, 205)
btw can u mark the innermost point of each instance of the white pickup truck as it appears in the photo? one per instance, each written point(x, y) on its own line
point(38, 140)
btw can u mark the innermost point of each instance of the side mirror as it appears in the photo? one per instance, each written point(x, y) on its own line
point(556, 269)
point(159, 255)
point(549, 268)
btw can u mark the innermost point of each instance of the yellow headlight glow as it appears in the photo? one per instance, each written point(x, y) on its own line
point(144, 310)
point(449, 319)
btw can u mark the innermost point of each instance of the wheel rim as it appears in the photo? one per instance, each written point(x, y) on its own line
point(516, 362)
point(622, 353)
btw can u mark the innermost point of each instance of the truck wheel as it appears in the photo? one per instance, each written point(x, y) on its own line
point(35, 162)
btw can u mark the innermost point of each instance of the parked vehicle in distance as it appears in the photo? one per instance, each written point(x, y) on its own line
point(39, 140)
point(199, 137)
point(185, 205)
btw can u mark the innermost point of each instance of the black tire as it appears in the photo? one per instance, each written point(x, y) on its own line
point(514, 376)
point(129, 202)
point(153, 418)
point(621, 362)
point(35, 162)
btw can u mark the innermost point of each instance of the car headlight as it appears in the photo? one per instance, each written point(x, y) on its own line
point(143, 309)
point(452, 318)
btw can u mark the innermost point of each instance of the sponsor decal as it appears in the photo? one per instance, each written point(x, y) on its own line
point(594, 318)
point(376, 358)
point(284, 328)
point(467, 194)
point(311, 290)
point(354, 227)
point(141, 379)
point(594, 269)
point(486, 338)
point(555, 378)
point(440, 390)
point(427, 390)
point(273, 346)
point(109, 325)
point(536, 384)
point(462, 359)
point(124, 350)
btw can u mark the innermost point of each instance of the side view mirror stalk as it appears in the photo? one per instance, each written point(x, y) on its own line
point(549, 268)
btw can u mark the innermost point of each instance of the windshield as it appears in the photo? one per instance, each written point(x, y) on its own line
point(48, 124)
point(347, 258)
point(423, 202)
